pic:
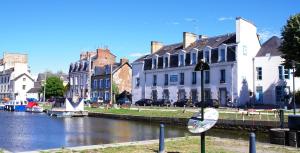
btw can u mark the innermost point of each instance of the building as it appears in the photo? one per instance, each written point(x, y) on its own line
point(36, 92)
point(168, 71)
point(80, 72)
point(101, 79)
point(15, 77)
point(271, 78)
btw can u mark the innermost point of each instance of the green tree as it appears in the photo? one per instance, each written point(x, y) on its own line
point(290, 46)
point(54, 87)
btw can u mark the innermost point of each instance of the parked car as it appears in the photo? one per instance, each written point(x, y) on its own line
point(209, 103)
point(144, 102)
point(181, 102)
point(123, 101)
point(161, 102)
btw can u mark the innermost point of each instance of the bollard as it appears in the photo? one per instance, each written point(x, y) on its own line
point(252, 146)
point(161, 139)
point(281, 115)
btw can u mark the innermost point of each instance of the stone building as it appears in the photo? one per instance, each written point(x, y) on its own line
point(80, 72)
point(101, 79)
point(15, 77)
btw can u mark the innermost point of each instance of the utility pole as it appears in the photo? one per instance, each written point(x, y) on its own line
point(294, 66)
point(45, 86)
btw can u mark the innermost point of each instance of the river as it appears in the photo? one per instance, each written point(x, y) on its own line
point(22, 131)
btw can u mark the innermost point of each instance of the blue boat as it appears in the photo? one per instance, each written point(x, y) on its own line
point(14, 105)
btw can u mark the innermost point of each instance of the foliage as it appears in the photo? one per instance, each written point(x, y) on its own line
point(290, 46)
point(54, 87)
point(115, 89)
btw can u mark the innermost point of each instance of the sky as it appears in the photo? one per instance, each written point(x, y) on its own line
point(54, 32)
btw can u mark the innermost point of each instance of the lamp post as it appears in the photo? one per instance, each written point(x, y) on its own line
point(294, 66)
point(201, 66)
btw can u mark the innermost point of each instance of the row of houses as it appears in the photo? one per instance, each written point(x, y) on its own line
point(241, 69)
point(96, 76)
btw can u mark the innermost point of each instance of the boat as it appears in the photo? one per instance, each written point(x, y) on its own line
point(15, 105)
point(1, 106)
point(34, 107)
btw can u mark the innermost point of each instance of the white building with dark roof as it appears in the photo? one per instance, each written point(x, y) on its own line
point(272, 79)
point(168, 72)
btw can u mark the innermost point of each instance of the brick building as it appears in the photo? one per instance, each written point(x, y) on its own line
point(101, 79)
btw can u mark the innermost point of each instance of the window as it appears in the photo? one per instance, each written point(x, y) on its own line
point(206, 77)
point(207, 94)
point(154, 94)
point(283, 73)
point(222, 55)
point(24, 87)
point(107, 69)
point(107, 96)
point(181, 78)
point(222, 79)
point(137, 82)
point(194, 95)
point(181, 60)
point(194, 56)
point(95, 84)
point(107, 83)
point(206, 56)
point(259, 94)
point(181, 94)
point(166, 94)
point(154, 63)
point(100, 83)
point(194, 77)
point(166, 62)
point(166, 79)
point(154, 80)
point(258, 73)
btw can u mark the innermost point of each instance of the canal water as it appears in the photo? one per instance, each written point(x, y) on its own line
point(21, 131)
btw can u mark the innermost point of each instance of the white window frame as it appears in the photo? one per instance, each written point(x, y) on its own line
point(155, 57)
point(167, 55)
point(205, 50)
point(183, 54)
point(194, 51)
point(223, 46)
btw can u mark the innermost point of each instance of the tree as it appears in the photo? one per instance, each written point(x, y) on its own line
point(54, 87)
point(290, 46)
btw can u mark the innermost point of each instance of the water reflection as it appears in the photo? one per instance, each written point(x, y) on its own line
point(25, 131)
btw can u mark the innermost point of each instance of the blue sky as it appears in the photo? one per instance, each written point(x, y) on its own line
point(54, 32)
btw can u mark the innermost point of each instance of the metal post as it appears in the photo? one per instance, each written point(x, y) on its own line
point(252, 146)
point(45, 87)
point(202, 112)
point(162, 139)
point(294, 89)
point(281, 116)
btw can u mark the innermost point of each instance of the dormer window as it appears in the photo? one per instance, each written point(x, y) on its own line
point(206, 56)
point(166, 62)
point(222, 53)
point(181, 60)
point(154, 62)
point(194, 58)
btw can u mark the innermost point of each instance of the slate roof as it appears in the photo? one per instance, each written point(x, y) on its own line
point(23, 75)
point(34, 90)
point(271, 47)
point(100, 70)
point(8, 71)
point(200, 44)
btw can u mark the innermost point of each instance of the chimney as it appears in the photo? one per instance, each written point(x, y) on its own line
point(202, 37)
point(155, 46)
point(123, 61)
point(188, 39)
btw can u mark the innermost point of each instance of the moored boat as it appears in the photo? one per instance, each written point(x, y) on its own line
point(14, 105)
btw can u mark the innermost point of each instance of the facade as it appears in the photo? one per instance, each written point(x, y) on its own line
point(272, 80)
point(168, 72)
point(101, 79)
point(80, 72)
point(15, 77)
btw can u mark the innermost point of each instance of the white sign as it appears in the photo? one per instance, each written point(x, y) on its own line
point(195, 125)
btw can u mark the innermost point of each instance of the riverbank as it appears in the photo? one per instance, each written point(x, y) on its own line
point(177, 145)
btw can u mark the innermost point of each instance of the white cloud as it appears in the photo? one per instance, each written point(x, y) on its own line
point(225, 18)
point(190, 19)
point(175, 23)
point(266, 33)
point(137, 54)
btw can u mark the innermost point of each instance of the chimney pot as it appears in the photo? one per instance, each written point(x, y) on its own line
point(155, 46)
point(188, 39)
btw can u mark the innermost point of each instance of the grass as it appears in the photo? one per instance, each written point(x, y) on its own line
point(191, 145)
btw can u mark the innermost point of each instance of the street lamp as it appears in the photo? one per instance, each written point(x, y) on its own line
point(201, 66)
point(294, 66)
